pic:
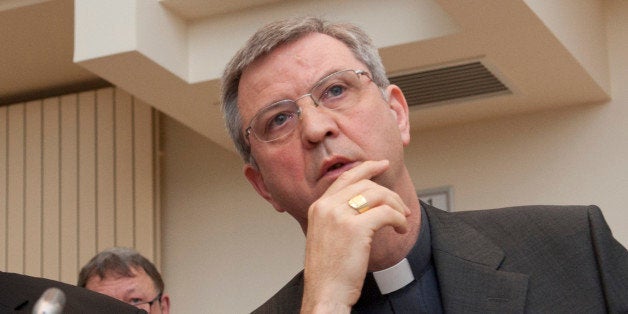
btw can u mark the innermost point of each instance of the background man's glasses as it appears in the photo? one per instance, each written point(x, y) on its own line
point(148, 304)
point(332, 92)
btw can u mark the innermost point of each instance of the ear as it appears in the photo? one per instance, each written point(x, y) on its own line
point(257, 181)
point(399, 107)
point(165, 304)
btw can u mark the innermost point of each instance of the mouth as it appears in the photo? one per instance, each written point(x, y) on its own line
point(335, 166)
point(332, 168)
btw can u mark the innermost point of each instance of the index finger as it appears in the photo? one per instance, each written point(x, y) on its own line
point(363, 171)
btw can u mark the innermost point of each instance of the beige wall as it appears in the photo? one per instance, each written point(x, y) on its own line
point(571, 156)
point(226, 249)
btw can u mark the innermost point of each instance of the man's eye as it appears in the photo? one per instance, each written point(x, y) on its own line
point(334, 91)
point(136, 300)
point(278, 120)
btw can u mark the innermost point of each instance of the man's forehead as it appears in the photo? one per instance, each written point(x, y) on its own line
point(112, 278)
point(113, 275)
point(293, 68)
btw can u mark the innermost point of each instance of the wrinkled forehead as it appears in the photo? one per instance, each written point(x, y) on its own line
point(138, 278)
point(290, 70)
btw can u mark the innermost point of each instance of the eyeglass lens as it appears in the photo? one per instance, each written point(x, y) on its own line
point(147, 304)
point(332, 92)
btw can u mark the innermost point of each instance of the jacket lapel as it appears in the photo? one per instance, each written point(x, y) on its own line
point(467, 266)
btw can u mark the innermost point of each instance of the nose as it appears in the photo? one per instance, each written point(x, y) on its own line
point(316, 123)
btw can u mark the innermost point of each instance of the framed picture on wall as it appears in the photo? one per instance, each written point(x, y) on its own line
point(440, 197)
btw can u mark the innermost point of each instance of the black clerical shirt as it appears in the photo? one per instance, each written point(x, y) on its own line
point(419, 296)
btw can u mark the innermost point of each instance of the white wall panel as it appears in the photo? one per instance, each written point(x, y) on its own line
point(33, 209)
point(15, 200)
point(68, 151)
point(51, 197)
point(87, 176)
point(124, 218)
point(105, 153)
point(3, 186)
point(76, 176)
point(145, 185)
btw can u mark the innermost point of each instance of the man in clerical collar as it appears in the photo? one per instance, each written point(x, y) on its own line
point(322, 134)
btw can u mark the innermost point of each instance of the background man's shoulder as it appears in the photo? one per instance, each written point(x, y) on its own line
point(19, 293)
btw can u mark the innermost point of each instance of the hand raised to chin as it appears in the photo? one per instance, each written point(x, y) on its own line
point(339, 237)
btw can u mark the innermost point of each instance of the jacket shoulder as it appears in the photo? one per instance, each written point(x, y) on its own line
point(287, 299)
point(542, 218)
point(567, 252)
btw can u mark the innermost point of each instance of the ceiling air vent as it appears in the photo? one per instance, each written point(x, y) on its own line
point(452, 82)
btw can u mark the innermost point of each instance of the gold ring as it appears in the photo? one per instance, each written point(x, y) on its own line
point(359, 203)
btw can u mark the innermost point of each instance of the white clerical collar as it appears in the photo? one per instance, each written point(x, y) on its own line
point(394, 278)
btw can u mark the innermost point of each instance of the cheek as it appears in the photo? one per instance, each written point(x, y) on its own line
point(282, 165)
point(375, 111)
point(370, 122)
point(375, 131)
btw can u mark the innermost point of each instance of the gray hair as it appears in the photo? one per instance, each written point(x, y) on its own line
point(275, 34)
point(119, 261)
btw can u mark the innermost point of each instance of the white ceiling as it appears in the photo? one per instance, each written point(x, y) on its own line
point(199, 9)
point(536, 47)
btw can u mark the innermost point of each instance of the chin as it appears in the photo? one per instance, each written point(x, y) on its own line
point(385, 249)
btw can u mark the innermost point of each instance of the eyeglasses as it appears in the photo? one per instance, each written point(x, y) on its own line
point(142, 305)
point(334, 91)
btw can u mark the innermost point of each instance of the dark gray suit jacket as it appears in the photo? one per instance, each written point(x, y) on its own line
point(19, 293)
point(533, 259)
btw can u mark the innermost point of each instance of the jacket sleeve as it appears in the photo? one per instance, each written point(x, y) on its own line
point(612, 259)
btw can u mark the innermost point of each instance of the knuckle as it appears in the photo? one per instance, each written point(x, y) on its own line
point(320, 207)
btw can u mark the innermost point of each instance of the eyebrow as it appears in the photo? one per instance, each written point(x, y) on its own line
point(130, 291)
point(325, 74)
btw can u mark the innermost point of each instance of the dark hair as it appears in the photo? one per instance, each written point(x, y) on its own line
point(275, 34)
point(119, 261)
